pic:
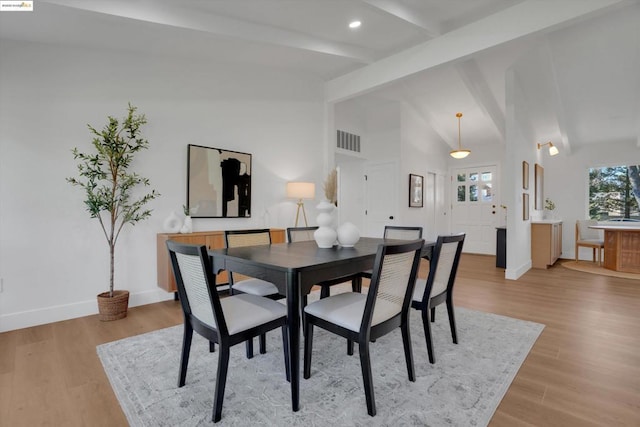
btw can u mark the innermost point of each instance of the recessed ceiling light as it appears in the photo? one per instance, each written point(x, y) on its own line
point(354, 24)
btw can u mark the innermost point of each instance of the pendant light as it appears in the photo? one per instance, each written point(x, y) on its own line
point(460, 153)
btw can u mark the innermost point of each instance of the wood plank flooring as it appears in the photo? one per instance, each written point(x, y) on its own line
point(584, 370)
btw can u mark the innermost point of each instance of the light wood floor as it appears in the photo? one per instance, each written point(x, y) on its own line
point(584, 370)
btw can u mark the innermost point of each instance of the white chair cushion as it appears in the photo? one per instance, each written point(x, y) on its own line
point(418, 291)
point(256, 287)
point(245, 311)
point(347, 309)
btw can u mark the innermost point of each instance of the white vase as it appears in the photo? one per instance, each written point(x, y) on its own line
point(172, 223)
point(348, 235)
point(325, 236)
point(187, 227)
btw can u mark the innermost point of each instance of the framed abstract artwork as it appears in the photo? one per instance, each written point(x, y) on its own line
point(416, 183)
point(218, 183)
point(525, 175)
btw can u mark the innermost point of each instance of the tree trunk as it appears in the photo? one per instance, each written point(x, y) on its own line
point(112, 258)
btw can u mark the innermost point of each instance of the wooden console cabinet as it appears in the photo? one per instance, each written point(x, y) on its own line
point(546, 243)
point(211, 239)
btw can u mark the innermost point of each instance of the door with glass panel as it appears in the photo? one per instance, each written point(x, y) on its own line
point(475, 207)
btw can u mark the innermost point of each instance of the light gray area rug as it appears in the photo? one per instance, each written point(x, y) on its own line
point(463, 387)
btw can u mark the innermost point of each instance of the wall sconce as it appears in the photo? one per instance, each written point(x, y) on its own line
point(553, 150)
point(460, 153)
point(301, 190)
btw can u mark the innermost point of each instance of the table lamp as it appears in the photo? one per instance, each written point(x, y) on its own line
point(301, 190)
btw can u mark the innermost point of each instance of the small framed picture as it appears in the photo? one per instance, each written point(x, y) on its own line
point(525, 175)
point(525, 206)
point(416, 183)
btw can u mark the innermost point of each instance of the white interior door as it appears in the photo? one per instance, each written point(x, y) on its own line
point(430, 232)
point(381, 197)
point(475, 207)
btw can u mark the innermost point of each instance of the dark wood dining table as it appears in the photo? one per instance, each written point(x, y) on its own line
point(295, 268)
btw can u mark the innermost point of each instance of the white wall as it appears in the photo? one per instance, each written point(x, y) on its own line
point(53, 257)
point(422, 152)
point(567, 184)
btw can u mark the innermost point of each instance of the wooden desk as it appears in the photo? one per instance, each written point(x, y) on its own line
point(294, 268)
point(621, 247)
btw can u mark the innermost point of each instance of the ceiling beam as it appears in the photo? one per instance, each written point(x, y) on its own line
point(477, 85)
point(523, 19)
point(172, 14)
point(399, 10)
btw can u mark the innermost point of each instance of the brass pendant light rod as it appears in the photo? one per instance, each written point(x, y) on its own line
point(460, 153)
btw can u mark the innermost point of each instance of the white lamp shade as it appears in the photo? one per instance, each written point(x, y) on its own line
point(459, 154)
point(301, 190)
point(553, 150)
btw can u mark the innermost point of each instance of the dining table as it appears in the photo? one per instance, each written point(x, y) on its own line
point(294, 268)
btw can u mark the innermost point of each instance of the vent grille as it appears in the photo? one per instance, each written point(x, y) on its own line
point(348, 141)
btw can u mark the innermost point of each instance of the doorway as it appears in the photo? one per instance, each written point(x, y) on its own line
point(475, 207)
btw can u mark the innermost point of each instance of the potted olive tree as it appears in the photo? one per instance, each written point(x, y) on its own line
point(109, 187)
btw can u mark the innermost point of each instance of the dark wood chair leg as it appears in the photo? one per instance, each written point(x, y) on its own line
point(427, 333)
point(452, 321)
point(212, 347)
point(367, 377)
point(250, 348)
point(186, 348)
point(285, 346)
point(408, 351)
point(356, 284)
point(221, 381)
point(263, 343)
point(433, 314)
point(350, 347)
point(325, 291)
point(308, 345)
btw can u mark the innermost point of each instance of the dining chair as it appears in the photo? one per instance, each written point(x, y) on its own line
point(250, 285)
point(366, 317)
point(225, 321)
point(397, 232)
point(589, 237)
point(304, 234)
point(438, 287)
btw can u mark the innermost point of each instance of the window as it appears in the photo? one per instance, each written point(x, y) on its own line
point(614, 193)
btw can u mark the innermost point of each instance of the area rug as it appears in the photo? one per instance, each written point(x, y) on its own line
point(594, 268)
point(463, 387)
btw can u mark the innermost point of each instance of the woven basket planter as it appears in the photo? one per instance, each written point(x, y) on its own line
point(113, 308)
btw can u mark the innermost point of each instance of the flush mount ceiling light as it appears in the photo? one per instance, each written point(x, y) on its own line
point(553, 150)
point(354, 24)
point(460, 153)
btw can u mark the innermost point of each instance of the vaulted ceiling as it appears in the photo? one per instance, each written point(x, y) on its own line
point(575, 62)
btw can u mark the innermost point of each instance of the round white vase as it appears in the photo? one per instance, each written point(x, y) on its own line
point(187, 227)
point(325, 236)
point(348, 235)
point(172, 223)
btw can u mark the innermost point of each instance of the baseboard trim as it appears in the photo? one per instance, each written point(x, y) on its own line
point(515, 273)
point(29, 318)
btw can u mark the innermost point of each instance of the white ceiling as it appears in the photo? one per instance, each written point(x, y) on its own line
point(580, 75)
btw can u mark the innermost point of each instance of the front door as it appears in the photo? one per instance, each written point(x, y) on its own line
point(475, 207)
